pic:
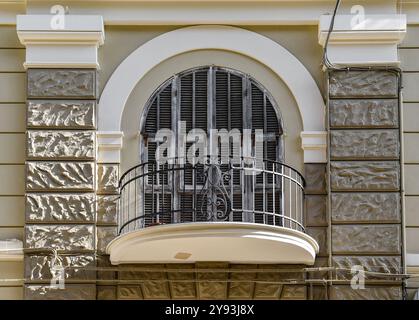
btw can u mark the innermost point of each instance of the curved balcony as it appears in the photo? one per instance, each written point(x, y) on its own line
point(238, 210)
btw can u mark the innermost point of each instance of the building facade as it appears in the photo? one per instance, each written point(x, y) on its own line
point(320, 203)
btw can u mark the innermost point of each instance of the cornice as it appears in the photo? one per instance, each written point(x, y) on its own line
point(73, 46)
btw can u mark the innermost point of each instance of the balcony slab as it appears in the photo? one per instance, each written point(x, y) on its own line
point(234, 242)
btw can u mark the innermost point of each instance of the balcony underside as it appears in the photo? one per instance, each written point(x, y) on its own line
point(214, 241)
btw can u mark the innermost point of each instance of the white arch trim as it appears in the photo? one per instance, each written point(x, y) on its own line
point(126, 76)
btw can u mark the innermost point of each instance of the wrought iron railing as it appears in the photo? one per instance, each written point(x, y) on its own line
point(244, 190)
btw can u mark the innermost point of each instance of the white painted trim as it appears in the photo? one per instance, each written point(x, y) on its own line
point(314, 144)
point(109, 145)
point(373, 41)
point(75, 46)
point(272, 12)
point(251, 44)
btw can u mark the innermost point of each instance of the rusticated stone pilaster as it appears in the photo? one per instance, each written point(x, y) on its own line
point(77, 238)
point(60, 180)
point(378, 239)
point(353, 84)
point(50, 176)
point(67, 114)
point(77, 267)
point(365, 179)
point(61, 83)
point(107, 178)
point(60, 208)
point(71, 145)
point(365, 207)
point(382, 264)
point(316, 211)
point(368, 176)
point(106, 210)
point(364, 113)
point(320, 235)
point(364, 144)
point(315, 176)
point(104, 236)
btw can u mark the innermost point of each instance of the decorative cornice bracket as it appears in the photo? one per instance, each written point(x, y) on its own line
point(363, 41)
point(73, 45)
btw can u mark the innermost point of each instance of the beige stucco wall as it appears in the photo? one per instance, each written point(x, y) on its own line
point(409, 52)
point(121, 41)
point(12, 155)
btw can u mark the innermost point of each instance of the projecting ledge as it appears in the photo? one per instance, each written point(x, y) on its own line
point(214, 241)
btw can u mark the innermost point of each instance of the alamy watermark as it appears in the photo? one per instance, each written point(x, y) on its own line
point(219, 145)
point(57, 21)
point(358, 277)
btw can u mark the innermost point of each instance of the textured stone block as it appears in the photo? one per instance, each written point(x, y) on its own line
point(153, 284)
point(106, 210)
point(142, 272)
point(104, 236)
point(383, 264)
point(60, 237)
point(267, 291)
point(364, 113)
point(129, 292)
point(320, 235)
point(71, 292)
point(60, 208)
point(37, 267)
point(356, 175)
point(365, 207)
point(378, 239)
point(293, 292)
point(70, 145)
point(315, 176)
point(268, 285)
point(107, 179)
point(316, 210)
point(364, 144)
point(156, 290)
point(61, 83)
point(46, 176)
point(238, 288)
point(209, 288)
point(352, 84)
point(61, 114)
point(369, 293)
point(184, 289)
point(106, 292)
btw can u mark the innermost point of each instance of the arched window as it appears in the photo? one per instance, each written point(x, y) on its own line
point(210, 98)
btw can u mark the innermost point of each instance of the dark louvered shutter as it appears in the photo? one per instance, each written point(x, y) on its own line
point(213, 98)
